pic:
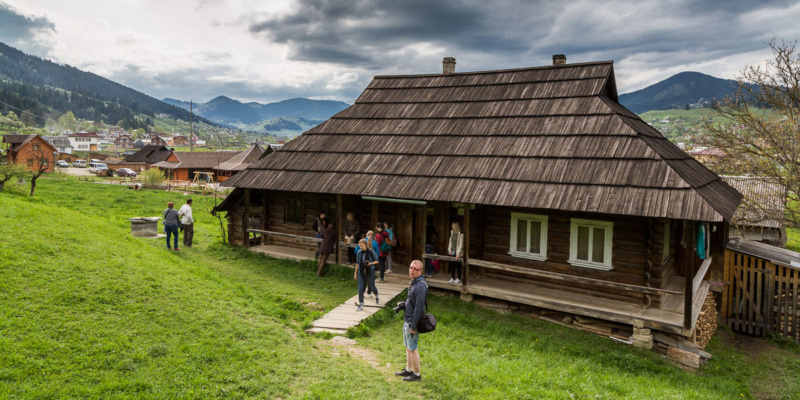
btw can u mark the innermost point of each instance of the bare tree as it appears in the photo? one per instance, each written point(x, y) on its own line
point(38, 162)
point(760, 135)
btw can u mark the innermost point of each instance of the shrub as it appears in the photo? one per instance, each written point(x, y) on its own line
point(152, 177)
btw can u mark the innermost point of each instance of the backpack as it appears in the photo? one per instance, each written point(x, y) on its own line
point(386, 244)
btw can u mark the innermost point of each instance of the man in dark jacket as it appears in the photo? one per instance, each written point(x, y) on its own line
point(327, 247)
point(412, 313)
point(320, 223)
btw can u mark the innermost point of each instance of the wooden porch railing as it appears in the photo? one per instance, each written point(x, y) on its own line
point(284, 235)
point(572, 278)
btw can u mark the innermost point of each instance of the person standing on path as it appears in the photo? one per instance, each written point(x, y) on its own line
point(171, 224)
point(380, 236)
point(412, 313)
point(188, 223)
point(352, 232)
point(365, 269)
point(326, 247)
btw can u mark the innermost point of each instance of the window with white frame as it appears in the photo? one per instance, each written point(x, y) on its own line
point(590, 243)
point(529, 236)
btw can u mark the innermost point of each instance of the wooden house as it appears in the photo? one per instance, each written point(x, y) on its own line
point(184, 165)
point(568, 200)
point(761, 214)
point(240, 162)
point(31, 150)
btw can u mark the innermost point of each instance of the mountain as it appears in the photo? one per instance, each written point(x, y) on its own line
point(686, 88)
point(233, 112)
point(30, 82)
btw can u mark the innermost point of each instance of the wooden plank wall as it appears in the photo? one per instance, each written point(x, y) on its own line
point(630, 244)
point(760, 297)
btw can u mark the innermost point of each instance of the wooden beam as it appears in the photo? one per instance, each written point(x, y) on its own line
point(698, 277)
point(264, 215)
point(246, 219)
point(465, 281)
point(688, 293)
point(288, 235)
point(338, 227)
point(572, 278)
point(443, 258)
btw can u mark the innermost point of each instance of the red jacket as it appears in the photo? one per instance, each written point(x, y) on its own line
point(379, 238)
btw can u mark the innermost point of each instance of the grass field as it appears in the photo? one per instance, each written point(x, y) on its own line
point(87, 311)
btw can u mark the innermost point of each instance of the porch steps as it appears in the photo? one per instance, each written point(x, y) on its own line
point(345, 316)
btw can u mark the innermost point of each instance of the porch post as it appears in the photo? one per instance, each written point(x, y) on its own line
point(374, 215)
point(465, 259)
point(246, 219)
point(264, 215)
point(338, 227)
point(689, 272)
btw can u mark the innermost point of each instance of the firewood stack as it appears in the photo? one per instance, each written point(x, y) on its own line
point(706, 321)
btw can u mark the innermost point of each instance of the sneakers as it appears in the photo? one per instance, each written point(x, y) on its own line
point(404, 373)
point(413, 377)
point(451, 280)
point(457, 281)
point(369, 295)
point(359, 308)
point(377, 301)
point(177, 249)
point(380, 280)
point(388, 271)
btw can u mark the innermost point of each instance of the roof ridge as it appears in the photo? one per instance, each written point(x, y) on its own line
point(497, 71)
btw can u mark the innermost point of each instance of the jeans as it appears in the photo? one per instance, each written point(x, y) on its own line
point(363, 281)
point(172, 230)
point(455, 270)
point(382, 263)
point(429, 249)
point(318, 236)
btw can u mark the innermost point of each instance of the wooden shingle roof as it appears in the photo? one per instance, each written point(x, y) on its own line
point(547, 137)
point(150, 154)
point(198, 160)
point(244, 159)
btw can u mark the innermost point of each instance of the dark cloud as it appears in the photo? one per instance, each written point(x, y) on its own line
point(30, 34)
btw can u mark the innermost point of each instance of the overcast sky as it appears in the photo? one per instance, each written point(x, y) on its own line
point(266, 51)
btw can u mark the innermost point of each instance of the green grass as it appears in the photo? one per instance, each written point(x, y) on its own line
point(87, 311)
point(793, 239)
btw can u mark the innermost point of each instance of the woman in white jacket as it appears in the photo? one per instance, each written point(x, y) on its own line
point(455, 247)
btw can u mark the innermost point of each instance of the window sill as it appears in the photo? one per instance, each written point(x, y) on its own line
point(587, 264)
point(529, 256)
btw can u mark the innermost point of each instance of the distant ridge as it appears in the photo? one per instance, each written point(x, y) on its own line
point(229, 111)
point(26, 79)
point(686, 88)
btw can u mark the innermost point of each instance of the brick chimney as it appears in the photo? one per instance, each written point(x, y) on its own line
point(559, 59)
point(449, 65)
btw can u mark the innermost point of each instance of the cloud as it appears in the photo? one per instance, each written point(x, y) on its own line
point(29, 33)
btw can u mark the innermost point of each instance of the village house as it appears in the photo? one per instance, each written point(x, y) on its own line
point(30, 150)
point(157, 140)
point(180, 140)
point(761, 214)
point(142, 159)
point(84, 141)
point(123, 141)
point(61, 143)
point(185, 165)
point(568, 201)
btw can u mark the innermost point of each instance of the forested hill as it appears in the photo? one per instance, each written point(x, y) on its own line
point(684, 90)
point(42, 86)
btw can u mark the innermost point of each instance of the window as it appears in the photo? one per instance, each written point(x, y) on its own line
point(36, 146)
point(294, 211)
point(590, 243)
point(529, 236)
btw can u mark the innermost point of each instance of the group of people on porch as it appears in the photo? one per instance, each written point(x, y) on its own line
point(381, 242)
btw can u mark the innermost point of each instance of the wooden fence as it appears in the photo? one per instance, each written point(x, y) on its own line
point(760, 296)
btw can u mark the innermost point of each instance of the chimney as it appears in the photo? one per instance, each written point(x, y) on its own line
point(559, 59)
point(449, 65)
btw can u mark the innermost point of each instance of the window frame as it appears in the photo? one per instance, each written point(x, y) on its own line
point(543, 219)
point(288, 215)
point(665, 253)
point(575, 223)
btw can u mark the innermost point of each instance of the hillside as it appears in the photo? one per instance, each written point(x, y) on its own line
point(681, 91)
point(30, 82)
point(291, 126)
point(225, 110)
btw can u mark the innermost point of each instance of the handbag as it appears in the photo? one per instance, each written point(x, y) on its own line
point(428, 322)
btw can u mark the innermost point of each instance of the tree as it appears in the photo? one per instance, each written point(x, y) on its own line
point(39, 161)
point(760, 135)
point(27, 118)
point(9, 172)
point(68, 121)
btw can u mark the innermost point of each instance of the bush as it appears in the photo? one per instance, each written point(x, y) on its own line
point(152, 177)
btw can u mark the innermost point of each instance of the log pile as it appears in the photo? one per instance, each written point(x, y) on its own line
point(706, 321)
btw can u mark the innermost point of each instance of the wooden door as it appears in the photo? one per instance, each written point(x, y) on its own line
point(404, 233)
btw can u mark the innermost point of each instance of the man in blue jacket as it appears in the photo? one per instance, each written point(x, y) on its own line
point(412, 313)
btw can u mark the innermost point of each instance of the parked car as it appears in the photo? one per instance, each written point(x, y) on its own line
point(79, 163)
point(62, 164)
point(127, 172)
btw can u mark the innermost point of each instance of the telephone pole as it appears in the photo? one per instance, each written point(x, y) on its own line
point(191, 125)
